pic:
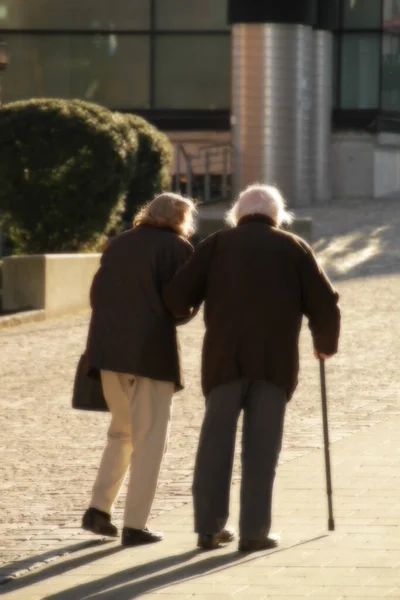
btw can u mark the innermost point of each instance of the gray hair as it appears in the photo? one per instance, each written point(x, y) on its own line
point(260, 199)
point(169, 210)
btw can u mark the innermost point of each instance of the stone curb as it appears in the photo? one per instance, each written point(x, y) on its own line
point(31, 316)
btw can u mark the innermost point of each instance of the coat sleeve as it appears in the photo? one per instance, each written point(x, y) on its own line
point(320, 304)
point(185, 292)
point(97, 276)
point(172, 261)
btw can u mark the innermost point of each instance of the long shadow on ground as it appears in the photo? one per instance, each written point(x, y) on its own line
point(145, 578)
point(23, 573)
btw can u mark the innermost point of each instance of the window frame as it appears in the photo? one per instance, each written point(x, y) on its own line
point(167, 119)
point(383, 108)
point(187, 31)
point(372, 120)
point(161, 48)
point(347, 34)
point(68, 72)
point(345, 29)
point(73, 30)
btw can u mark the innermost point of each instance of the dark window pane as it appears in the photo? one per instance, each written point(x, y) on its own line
point(109, 70)
point(391, 15)
point(193, 72)
point(359, 86)
point(362, 14)
point(75, 14)
point(391, 73)
point(335, 59)
point(191, 14)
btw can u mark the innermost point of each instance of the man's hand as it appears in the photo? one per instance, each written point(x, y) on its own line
point(319, 355)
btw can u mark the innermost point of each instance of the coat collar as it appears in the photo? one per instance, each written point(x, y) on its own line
point(149, 226)
point(257, 218)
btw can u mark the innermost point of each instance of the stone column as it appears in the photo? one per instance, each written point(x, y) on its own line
point(272, 96)
point(321, 123)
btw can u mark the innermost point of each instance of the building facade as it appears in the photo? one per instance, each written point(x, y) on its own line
point(175, 62)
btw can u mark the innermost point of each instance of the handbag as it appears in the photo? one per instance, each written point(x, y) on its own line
point(88, 392)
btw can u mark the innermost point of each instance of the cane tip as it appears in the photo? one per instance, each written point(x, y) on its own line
point(331, 525)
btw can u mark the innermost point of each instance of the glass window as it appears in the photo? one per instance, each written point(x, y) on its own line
point(391, 73)
point(360, 71)
point(193, 72)
point(191, 14)
point(110, 70)
point(391, 15)
point(362, 14)
point(335, 60)
point(75, 14)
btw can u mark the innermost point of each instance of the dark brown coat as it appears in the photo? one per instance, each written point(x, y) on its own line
point(257, 282)
point(131, 331)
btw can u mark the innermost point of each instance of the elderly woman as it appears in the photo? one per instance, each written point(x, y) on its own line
point(133, 345)
point(257, 282)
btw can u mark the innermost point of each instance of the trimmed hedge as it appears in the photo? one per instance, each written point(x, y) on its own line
point(153, 170)
point(65, 168)
point(152, 174)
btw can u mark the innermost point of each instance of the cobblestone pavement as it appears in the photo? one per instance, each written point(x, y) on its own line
point(49, 453)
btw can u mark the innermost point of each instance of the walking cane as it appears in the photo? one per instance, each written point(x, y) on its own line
point(331, 522)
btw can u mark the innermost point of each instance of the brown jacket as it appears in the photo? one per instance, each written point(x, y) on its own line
point(257, 282)
point(131, 331)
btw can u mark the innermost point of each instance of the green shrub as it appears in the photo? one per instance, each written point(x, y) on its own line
point(1, 275)
point(153, 169)
point(65, 168)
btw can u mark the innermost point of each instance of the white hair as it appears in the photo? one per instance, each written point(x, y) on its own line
point(258, 199)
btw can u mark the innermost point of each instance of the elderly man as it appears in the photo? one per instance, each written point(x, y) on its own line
point(257, 282)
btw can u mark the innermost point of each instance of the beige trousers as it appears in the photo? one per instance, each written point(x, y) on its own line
point(137, 438)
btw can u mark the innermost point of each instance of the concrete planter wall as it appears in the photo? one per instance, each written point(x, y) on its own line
point(55, 283)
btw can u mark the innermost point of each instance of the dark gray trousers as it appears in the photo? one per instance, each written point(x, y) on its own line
point(264, 407)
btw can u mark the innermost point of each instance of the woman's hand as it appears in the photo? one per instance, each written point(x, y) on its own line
point(319, 355)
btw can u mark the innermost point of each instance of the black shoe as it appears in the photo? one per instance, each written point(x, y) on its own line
point(99, 522)
point(137, 537)
point(245, 545)
point(211, 541)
